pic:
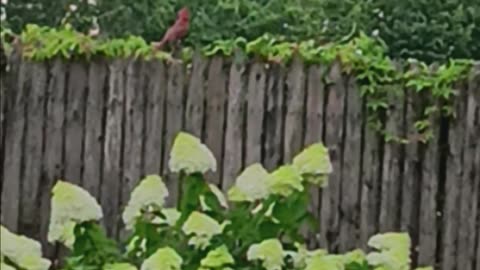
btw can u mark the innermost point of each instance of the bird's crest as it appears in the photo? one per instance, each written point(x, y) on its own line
point(183, 13)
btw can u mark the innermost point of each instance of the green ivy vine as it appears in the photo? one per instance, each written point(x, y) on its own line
point(360, 55)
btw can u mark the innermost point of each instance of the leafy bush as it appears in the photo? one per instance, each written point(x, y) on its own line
point(257, 229)
point(424, 29)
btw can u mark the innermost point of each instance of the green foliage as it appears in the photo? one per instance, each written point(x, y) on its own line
point(425, 29)
point(209, 233)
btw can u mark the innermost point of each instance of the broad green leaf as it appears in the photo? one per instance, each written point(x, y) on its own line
point(70, 205)
point(22, 251)
point(284, 181)
point(190, 155)
point(150, 192)
point(164, 258)
point(218, 257)
point(270, 252)
point(250, 185)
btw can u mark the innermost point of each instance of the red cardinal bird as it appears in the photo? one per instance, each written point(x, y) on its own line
point(177, 31)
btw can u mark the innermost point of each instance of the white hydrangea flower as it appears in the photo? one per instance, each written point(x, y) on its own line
point(150, 192)
point(190, 155)
point(164, 258)
point(393, 251)
point(270, 252)
point(217, 258)
point(201, 228)
point(70, 205)
point(285, 180)
point(250, 185)
point(327, 262)
point(314, 163)
point(22, 251)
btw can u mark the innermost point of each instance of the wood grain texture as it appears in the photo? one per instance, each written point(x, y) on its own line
point(315, 98)
point(33, 151)
point(274, 118)
point(470, 179)
point(112, 147)
point(255, 113)
point(173, 124)
point(215, 107)
point(14, 160)
point(75, 120)
point(234, 128)
point(195, 107)
point(54, 137)
point(429, 186)
point(392, 178)
point(94, 115)
point(334, 134)
point(352, 171)
point(133, 129)
point(154, 117)
point(294, 102)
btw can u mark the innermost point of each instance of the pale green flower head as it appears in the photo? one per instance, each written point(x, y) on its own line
point(150, 192)
point(190, 155)
point(270, 252)
point(250, 185)
point(314, 163)
point(327, 262)
point(217, 258)
point(22, 251)
point(354, 256)
point(119, 266)
point(70, 205)
point(4, 266)
point(393, 251)
point(171, 216)
point(424, 268)
point(302, 256)
point(163, 259)
point(284, 181)
point(201, 228)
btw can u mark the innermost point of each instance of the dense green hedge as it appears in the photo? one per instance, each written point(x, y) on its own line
point(424, 29)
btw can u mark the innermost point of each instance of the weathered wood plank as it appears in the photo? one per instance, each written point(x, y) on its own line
point(314, 131)
point(112, 147)
point(411, 184)
point(33, 151)
point(75, 121)
point(255, 113)
point(429, 187)
point(173, 124)
point(330, 205)
point(133, 128)
point(14, 159)
point(274, 118)
point(234, 129)
point(215, 115)
point(392, 163)
point(470, 180)
point(195, 110)
point(295, 100)
point(94, 115)
point(53, 157)
point(352, 171)
point(454, 172)
point(154, 117)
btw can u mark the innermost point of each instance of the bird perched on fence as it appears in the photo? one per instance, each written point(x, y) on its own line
point(177, 31)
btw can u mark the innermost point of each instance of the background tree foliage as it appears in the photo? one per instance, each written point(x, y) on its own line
point(428, 30)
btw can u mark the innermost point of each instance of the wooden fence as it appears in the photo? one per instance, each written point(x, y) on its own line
point(105, 124)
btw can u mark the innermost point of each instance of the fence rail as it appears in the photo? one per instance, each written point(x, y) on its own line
point(105, 124)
